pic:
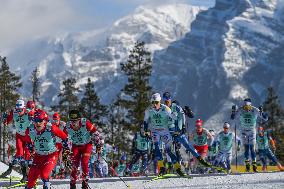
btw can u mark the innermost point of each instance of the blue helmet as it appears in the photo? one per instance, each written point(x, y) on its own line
point(123, 157)
point(167, 96)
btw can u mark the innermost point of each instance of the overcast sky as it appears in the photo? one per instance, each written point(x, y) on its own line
point(23, 20)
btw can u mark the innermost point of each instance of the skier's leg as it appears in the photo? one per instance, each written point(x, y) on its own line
point(144, 161)
point(85, 160)
point(188, 146)
point(76, 156)
point(262, 157)
point(34, 172)
point(228, 161)
point(48, 165)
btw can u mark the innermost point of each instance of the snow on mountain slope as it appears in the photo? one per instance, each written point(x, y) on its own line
point(234, 50)
point(98, 54)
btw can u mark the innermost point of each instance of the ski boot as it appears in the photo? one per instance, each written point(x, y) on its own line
point(8, 172)
point(254, 167)
point(72, 185)
point(247, 165)
point(46, 184)
point(24, 172)
point(279, 166)
point(178, 169)
point(163, 170)
point(85, 184)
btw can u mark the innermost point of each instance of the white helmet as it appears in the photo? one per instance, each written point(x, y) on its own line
point(156, 97)
point(20, 104)
point(226, 125)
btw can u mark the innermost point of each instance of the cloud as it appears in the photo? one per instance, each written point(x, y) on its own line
point(25, 19)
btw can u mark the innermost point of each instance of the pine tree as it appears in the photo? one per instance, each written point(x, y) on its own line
point(117, 133)
point(9, 85)
point(67, 97)
point(91, 106)
point(136, 93)
point(276, 120)
point(35, 84)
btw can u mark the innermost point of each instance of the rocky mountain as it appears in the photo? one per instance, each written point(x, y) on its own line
point(208, 59)
point(98, 54)
point(234, 50)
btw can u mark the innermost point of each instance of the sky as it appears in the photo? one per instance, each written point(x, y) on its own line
point(23, 20)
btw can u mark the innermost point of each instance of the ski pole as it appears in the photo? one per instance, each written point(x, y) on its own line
point(127, 185)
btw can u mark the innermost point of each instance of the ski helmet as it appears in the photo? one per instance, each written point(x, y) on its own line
point(260, 129)
point(156, 97)
point(123, 157)
point(40, 115)
point(167, 96)
point(31, 104)
point(56, 116)
point(226, 125)
point(20, 104)
point(74, 115)
point(198, 123)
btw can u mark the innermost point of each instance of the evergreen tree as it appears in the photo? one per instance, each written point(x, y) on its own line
point(35, 84)
point(276, 120)
point(91, 106)
point(136, 93)
point(67, 97)
point(117, 131)
point(9, 85)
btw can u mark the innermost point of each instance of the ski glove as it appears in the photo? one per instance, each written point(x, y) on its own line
point(30, 146)
point(238, 148)
point(65, 145)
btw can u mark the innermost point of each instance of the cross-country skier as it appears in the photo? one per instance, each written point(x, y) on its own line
point(21, 121)
point(31, 108)
point(201, 139)
point(264, 150)
point(42, 133)
point(246, 117)
point(179, 131)
point(213, 150)
point(80, 132)
point(224, 141)
point(61, 125)
point(121, 167)
point(140, 149)
point(158, 120)
point(101, 158)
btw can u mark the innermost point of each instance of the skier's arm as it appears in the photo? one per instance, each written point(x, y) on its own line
point(90, 127)
point(8, 118)
point(58, 132)
point(146, 120)
point(211, 138)
point(134, 144)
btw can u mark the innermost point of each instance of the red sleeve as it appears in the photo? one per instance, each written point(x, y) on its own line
point(27, 136)
point(90, 127)
point(10, 117)
point(59, 133)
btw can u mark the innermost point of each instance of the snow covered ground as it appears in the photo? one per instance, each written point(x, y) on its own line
point(243, 181)
point(4, 167)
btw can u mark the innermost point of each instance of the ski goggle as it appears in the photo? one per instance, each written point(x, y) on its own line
point(247, 107)
point(155, 102)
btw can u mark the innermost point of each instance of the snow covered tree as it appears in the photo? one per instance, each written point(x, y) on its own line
point(67, 97)
point(35, 84)
point(135, 96)
point(91, 106)
point(276, 120)
point(9, 85)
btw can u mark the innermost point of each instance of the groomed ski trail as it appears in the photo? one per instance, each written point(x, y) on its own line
point(238, 181)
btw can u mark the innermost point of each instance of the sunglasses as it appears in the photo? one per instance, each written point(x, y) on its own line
point(38, 120)
point(155, 102)
point(18, 110)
